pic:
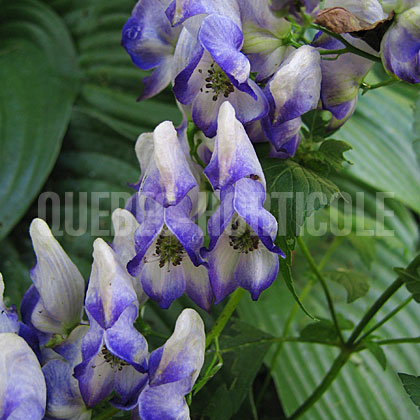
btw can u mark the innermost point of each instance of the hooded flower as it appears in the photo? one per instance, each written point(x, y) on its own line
point(54, 304)
point(173, 370)
point(211, 69)
point(241, 250)
point(64, 400)
point(293, 91)
point(22, 384)
point(167, 261)
point(113, 352)
point(341, 77)
point(150, 41)
point(400, 47)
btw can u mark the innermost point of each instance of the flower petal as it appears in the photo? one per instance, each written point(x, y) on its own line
point(197, 284)
point(249, 200)
point(182, 356)
point(22, 386)
point(223, 39)
point(56, 278)
point(162, 284)
point(64, 400)
point(128, 384)
point(234, 156)
point(125, 342)
point(171, 179)
point(400, 46)
point(257, 270)
point(147, 35)
point(158, 80)
point(110, 289)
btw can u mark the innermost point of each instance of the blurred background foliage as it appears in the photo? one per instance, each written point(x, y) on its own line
point(69, 121)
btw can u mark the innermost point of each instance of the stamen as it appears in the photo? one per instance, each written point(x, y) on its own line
point(113, 360)
point(168, 249)
point(243, 240)
point(217, 82)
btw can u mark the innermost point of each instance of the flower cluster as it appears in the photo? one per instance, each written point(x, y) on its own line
point(245, 52)
point(57, 364)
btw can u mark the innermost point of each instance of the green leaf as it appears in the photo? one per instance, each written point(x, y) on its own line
point(38, 84)
point(324, 330)
point(317, 123)
point(333, 153)
point(377, 352)
point(223, 395)
point(365, 247)
point(299, 191)
point(411, 277)
point(412, 387)
point(301, 367)
point(381, 135)
point(355, 283)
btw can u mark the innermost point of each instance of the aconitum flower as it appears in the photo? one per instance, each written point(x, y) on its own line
point(341, 77)
point(211, 70)
point(22, 384)
point(54, 303)
point(167, 241)
point(64, 400)
point(114, 353)
point(400, 47)
point(293, 91)
point(173, 370)
point(150, 41)
point(241, 250)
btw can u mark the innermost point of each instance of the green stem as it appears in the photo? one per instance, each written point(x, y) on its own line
point(324, 285)
point(349, 46)
point(280, 340)
point(330, 251)
point(401, 340)
point(225, 315)
point(334, 52)
point(107, 414)
point(366, 86)
point(339, 362)
point(375, 308)
point(385, 319)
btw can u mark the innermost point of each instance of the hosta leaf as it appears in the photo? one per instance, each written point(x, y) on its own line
point(38, 84)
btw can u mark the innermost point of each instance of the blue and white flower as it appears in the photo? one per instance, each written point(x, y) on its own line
point(173, 370)
point(22, 385)
point(54, 303)
point(114, 353)
point(293, 91)
point(241, 252)
point(150, 41)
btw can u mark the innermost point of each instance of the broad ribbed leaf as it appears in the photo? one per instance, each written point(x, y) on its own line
point(38, 83)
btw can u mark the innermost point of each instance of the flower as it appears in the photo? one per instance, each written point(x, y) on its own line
point(54, 303)
point(167, 261)
point(22, 390)
point(400, 47)
point(114, 353)
point(173, 370)
point(64, 400)
point(241, 250)
point(341, 77)
point(211, 69)
point(150, 41)
point(293, 91)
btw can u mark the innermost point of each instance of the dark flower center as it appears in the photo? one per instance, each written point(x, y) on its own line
point(243, 240)
point(217, 82)
point(168, 249)
point(113, 360)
